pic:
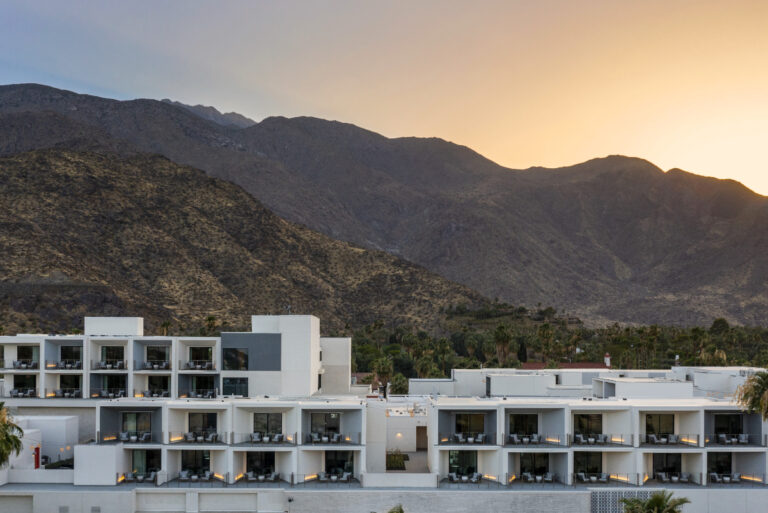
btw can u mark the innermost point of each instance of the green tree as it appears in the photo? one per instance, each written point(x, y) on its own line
point(383, 369)
point(659, 502)
point(397, 509)
point(719, 327)
point(10, 436)
point(752, 396)
point(399, 384)
point(502, 338)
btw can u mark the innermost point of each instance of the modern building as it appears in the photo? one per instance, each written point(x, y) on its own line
point(263, 416)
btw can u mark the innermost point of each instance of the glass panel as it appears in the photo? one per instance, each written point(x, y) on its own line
point(114, 381)
point(69, 381)
point(589, 462)
point(523, 423)
point(158, 383)
point(470, 422)
point(196, 461)
point(157, 353)
point(659, 424)
point(24, 381)
point(112, 352)
point(337, 462)
point(202, 422)
point(462, 462)
point(235, 359)
point(27, 353)
point(325, 422)
point(260, 462)
point(535, 463)
point(719, 462)
point(235, 386)
point(140, 462)
point(667, 462)
point(200, 353)
point(71, 352)
point(588, 424)
point(202, 383)
point(728, 423)
point(140, 422)
point(269, 423)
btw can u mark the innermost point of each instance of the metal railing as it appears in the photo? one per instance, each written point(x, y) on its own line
point(259, 477)
point(606, 479)
point(26, 364)
point(320, 479)
point(63, 393)
point(722, 439)
point(200, 393)
point(154, 478)
point(152, 393)
point(23, 393)
point(332, 439)
point(475, 480)
point(586, 440)
point(514, 439)
point(141, 437)
point(541, 479)
point(63, 365)
point(736, 479)
point(198, 478)
point(199, 437)
point(199, 365)
point(669, 439)
point(109, 365)
point(108, 393)
point(257, 438)
point(162, 365)
point(473, 438)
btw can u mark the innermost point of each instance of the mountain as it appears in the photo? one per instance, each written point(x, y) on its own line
point(97, 234)
point(611, 239)
point(231, 119)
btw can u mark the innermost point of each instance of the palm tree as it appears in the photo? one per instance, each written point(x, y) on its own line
point(659, 502)
point(752, 396)
point(10, 436)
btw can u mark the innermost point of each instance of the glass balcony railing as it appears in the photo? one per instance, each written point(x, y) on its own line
point(199, 365)
point(152, 393)
point(583, 439)
point(200, 393)
point(260, 438)
point(26, 364)
point(525, 439)
point(108, 393)
point(474, 438)
point(733, 440)
point(23, 393)
point(63, 393)
point(669, 439)
point(109, 365)
point(63, 365)
point(199, 437)
point(158, 365)
point(330, 438)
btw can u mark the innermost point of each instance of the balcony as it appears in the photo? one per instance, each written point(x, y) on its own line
point(54, 365)
point(24, 393)
point(601, 439)
point(152, 365)
point(200, 393)
point(210, 436)
point(734, 440)
point(26, 364)
point(265, 439)
point(63, 393)
point(606, 479)
point(675, 440)
point(330, 438)
point(468, 438)
point(128, 437)
point(109, 365)
point(108, 393)
point(150, 394)
point(536, 440)
point(197, 365)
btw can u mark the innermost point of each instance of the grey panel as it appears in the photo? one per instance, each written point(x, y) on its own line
point(264, 349)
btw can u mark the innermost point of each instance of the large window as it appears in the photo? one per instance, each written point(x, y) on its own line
point(137, 421)
point(659, 424)
point(145, 462)
point(157, 353)
point(201, 384)
point(470, 423)
point(719, 462)
point(112, 353)
point(158, 384)
point(337, 462)
point(667, 462)
point(268, 423)
point(28, 353)
point(200, 354)
point(523, 424)
point(260, 462)
point(728, 423)
point(196, 461)
point(534, 462)
point(589, 462)
point(113, 382)
point(235, 358)
point(326, 422)
point(462, 462)
point(24, 381)
point(588, 424)
point(69, 381)
point(71, 353)
point(202, 422)
point(235, 386)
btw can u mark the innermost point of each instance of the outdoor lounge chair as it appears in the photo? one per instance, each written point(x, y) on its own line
point(685, 477)
point(206, 476)
point(736, 478)
point(744, 439)
point(76, 393)
point(184, 475)
point(316, 438)
point(581, 476)
point(151, 478)
point(548, 477)
point(189, 437)
point(279, 438)
point(527, 477)
point(475, 478)
point(662, 476)
point(58, 393)
point(480, 438)
point(124, 436)
point(323, 477)
point(673, 439)
point(145, 437)
point(580, 439)
point(723, 440)
point(535, 438)
point(255, 438)
point(602, 438)
point(336, 438)
point(129, 477)
point(250, 476)
point(714, 477)
point(211, 438)
point(603, 478)
point(30, 393)
point(274, 476)
point(460, 438)
point(452, 477)
point(513, 438)
point(15, 393)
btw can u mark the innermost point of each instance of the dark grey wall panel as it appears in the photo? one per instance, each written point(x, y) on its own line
point(264, 349)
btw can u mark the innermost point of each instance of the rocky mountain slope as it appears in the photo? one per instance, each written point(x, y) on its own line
point(89, 234)
point(231, 119)
point(612, 239)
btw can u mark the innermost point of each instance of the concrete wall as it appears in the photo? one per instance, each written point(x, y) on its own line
point(114, 326)
point(521, 385)
point(98, 464)
point(337, 365)
point(86, 417)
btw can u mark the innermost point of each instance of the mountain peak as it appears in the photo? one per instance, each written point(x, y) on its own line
point(228, 119)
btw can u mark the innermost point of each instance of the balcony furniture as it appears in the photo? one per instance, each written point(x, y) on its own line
point(77, 393)
point(15, 393)
point(344, 477)
point(475, 478)
point(279, 438)
point(58, 393)
point(146, 437)
point(714, 478)
point(255, 438)
point(266, 439)
point(336, 438)
point(206, 476)
point(470, 439)
point(591, 440)
point(726, 479)
point(453, 477)
point(189, 437)
point(548, 477)
point(250, 477)
point(736, 478)
point(152, 477)
point(134, 438)
point(480, 438)
point(334, 478)
point(325, 439)
point(124, 436)
point(663, 477)
point(322, 477)
point(129, 477)
point(211, 438)
point(675, 479)
point(593, 479)
point(603, 478)
point(514, 439)
point(315, 438)
point(685, 477)
point(581, 476)
point(743, 439)
point(602, 438)
point(199, 438)
point(30, 393)
point(673, 439)
point(527, 477)
point(580, 439)
point(535, 438)
point(184, 475)
point(460, 438)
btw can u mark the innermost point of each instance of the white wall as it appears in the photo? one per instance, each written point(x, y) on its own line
point(336, 363)
point(114, 326)
point(98, 464)
point(57, 435)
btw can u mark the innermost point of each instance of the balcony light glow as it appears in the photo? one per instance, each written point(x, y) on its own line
point(138, 394)
point(444, 439)
point(50, 365)
point(752, 478)
point(691, 441)
point(617, 439)
point(218, 476)
point(176, 438)
point(347, 439)
point(488, 476)
point(399, 435)
point(121, 478)
point(617, 477)
point(50, 394)
point(552, 440)
point(310, 477)
point(239, 476)
point(109, 438)
point(512, 478)
point(645, 478)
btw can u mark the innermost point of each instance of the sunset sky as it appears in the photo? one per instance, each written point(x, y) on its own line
point(680, 83)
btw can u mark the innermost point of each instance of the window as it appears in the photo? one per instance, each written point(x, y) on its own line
point(158, 384)
point(462, 462)
point(321, 356)
point(112, 353)
point(201, 354)
point(145, 461)
point(659, 424)
point(268, 423)
point(20, 381)
point(337, 462)
point(202, 384)
point(235, 359)
point(589, 462)
point(112, 382)
point(71, 353)
point(69, 381)
point(157, 353)
point(719, 462)
point(728, 424)
point(588, 424)
point(319, 381)
point(28, 353)
point(470, 422)
point(523, 424)
point(534, 462)
point(667, 462)
point(260, 462)
point(235, 386)
point(325, 422)
point(202, 422)
point(137, 421)
point(196, 461)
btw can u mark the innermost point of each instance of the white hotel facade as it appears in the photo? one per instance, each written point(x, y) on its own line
point(261, 420)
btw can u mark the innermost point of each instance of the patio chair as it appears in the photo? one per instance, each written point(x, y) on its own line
point(250, 476)
point(736, 478)
point(514, 439)
point(30, 393)
point(663, 477)
point(189, 437)
point(274, 476)
point(211, 438)
point(335, 438)
point(685, 477)
point(151, 478)
point(723, 440)
point(76, 393)
point(316, 438)
point(452, 477)
point(15, 392)
point(714, 477)
point(279, 438)
point(602, 438)
point(206, 476)
point(165, 394)
point(480, 438)
point(184, 475)
point(581, 476)
point(129, 477)
point(603, 478)
point(673, 439)
point(124, 436)
point(255, 438)
point(535, 439)
point(527, 477)
point(145, 437)
point(323, 477)
point(58, 393)
point(580, 439)
point(208, 366)
point(102, 364)
point(165, 365)
point(460, 438)
point(548, 477)
point(744, 439)
point(104, 393)
point(475, 478)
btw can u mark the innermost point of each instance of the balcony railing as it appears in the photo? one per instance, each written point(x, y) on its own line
point(540, 478)
point(586, 440)
point(318, 438)
point(63, 393)
point(23, 393)
point(109, 365)
point(477, 480)
point(335, 480)
point(200, 393)
point(200, 365)
point(63, 365)
point(161, 365)
point(607, 479)
point(515, 439)
point(474, 438)
point(108, 393)
point(738, 439)
point(199, 437)
point(258, 438)
point(670, 439)
point(736, 479)
point(149, 478)
point(26, 364)
point(156, 393)
point(128, 437)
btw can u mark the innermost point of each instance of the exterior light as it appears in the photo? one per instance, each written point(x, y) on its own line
point(488, 476)
point(512, 478)
point(399, 435)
